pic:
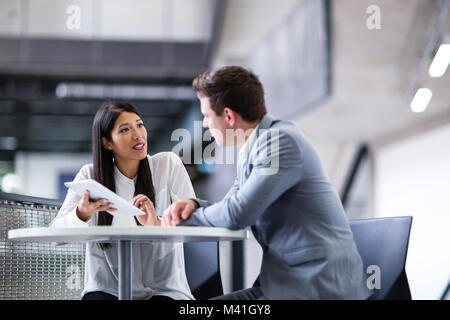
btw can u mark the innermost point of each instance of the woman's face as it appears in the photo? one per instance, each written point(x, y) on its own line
point(128, 138)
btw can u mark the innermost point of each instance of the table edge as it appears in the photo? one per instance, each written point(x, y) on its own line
point(119, 233)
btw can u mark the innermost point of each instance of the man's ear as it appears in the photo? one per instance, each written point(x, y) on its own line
point(230, 116)
point(106, 144)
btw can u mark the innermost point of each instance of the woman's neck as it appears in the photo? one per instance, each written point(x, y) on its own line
point(128, 168)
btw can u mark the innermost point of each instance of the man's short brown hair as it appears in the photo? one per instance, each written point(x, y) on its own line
point(233, 87)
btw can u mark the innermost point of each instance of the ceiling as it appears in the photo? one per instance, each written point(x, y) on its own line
point(146, 40)
point(116, 51)
point(373, 75)
point(374, 71)
point(245, 25)
point(55, 74)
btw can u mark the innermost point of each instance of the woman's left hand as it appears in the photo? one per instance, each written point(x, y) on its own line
point(142, 202)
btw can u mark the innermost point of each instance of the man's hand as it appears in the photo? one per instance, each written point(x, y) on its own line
point(177, 211)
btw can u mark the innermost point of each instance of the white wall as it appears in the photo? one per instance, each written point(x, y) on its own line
point(39, 172)
point(412, 177)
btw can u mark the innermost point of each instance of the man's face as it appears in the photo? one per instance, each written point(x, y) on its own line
point(216, 124)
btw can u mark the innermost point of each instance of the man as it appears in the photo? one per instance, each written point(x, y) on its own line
point(281, 191)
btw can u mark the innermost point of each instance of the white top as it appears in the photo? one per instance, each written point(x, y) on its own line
point(158, 268)
point(245, 149)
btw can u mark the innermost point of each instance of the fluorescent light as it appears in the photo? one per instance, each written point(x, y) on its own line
point(10, 183)
point(421, 99)
point(8, 143)
point(61, 90)
point(123, 91)
point(440, 61)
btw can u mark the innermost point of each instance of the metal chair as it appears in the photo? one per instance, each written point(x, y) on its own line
point(36, 271)
point(383, 242)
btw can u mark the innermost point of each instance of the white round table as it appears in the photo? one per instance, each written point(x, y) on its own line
point(124, 238)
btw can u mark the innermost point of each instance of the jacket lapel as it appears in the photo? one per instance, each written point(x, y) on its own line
point(246, 167)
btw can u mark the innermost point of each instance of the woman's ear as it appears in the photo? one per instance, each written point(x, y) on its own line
point(106, 144)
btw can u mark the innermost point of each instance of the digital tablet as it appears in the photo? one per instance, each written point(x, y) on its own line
point(98, 191)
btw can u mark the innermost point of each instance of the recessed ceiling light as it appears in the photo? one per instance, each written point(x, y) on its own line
point(421, 99)
point(440, 61)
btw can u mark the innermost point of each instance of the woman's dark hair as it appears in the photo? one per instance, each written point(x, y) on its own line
point(233, 87)
point(103, 159)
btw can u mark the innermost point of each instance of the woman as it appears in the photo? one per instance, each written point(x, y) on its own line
point(121, 163)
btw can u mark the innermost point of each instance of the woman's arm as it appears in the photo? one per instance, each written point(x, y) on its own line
point(67, 215)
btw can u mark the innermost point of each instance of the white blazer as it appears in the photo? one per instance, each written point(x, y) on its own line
point(158, 268)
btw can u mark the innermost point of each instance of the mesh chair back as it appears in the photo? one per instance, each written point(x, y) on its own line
point(36, 270)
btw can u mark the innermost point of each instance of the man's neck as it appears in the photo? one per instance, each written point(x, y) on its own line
point(246, 127)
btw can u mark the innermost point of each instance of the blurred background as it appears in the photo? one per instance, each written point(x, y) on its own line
point(366, 81)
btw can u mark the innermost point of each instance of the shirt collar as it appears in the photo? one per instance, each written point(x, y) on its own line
point(121, 177)
point(245, 149)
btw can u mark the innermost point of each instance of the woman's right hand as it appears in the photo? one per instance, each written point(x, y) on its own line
point(87, 209)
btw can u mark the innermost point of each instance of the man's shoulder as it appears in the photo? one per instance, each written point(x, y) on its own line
point(282, 130)
point(282, 140)
point(286, 127)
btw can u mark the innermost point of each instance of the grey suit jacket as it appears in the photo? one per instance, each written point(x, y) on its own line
point(283, 193)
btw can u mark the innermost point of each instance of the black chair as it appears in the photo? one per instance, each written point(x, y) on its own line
point(383, 242)
point(202, 269)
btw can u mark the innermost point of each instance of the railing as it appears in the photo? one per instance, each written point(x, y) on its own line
point(446, 293)
point(362, 154)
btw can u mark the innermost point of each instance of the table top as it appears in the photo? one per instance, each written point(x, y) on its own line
point(108, 233)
